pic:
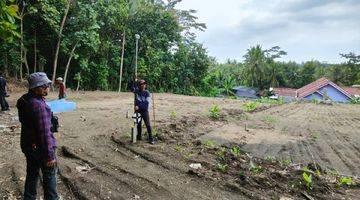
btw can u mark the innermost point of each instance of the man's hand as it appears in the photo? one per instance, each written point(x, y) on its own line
point(136, 108)
point(51, 163)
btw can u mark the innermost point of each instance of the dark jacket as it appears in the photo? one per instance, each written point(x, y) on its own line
point(2, 86)
point(142, 100)
point(35, 118)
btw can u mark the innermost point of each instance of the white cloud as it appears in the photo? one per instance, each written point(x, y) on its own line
point(306, 29)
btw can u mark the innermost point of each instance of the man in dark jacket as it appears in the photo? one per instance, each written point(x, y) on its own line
point(3, 94)
point(142, 102)
point(37, 141)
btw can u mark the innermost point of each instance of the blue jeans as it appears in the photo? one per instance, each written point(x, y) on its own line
point(34, 164)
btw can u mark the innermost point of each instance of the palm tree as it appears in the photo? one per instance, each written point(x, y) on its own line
point(255, 63)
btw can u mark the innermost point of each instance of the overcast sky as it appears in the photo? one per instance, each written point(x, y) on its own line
point(306, 29)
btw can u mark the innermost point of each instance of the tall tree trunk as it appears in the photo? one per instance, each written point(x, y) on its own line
point(68, 63)
point(21, 44)
point(122, 59)
point(59, 40)
point(25, 62)
point(35, 63)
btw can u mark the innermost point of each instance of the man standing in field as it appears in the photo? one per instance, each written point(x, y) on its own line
point(3, 94)
point(37, 141)
point(62, 88)
point(142, 102)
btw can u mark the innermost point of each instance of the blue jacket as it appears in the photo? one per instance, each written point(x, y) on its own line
point(142, 100)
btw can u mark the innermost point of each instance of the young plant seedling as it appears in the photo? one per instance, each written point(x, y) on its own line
point(209, 144)
point(214, 112)
point(345, 181)
point(223, 168)
point(256, 169)
point(236, 151)
point(173, 115)
point(308, 180)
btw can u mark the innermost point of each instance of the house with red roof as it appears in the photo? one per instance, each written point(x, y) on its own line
point(320, 89)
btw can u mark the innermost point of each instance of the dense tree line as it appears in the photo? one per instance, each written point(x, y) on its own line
point(83, 41)
point(260, 69)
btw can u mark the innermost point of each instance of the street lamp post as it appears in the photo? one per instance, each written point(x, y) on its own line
point(137, 37)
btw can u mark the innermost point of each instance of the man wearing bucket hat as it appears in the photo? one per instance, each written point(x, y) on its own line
point(37, 141)
point(62, 88)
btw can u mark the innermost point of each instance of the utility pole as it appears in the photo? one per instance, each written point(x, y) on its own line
point(122, 59)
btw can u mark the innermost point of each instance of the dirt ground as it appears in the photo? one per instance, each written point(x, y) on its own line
point(259, 155)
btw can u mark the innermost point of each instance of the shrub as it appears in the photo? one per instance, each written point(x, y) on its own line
point(214, 112)
point(355, 100)
point(250, 106)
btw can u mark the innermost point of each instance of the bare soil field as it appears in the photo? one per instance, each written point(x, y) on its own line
point(259, 155)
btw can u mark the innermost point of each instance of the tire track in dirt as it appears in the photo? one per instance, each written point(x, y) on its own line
point(339, 146)
point(119, 183)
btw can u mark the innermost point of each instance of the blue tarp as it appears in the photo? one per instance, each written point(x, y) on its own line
point(246, 92)
point(59, 106)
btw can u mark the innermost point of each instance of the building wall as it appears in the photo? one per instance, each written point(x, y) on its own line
point(314, 96)
point(334, 94)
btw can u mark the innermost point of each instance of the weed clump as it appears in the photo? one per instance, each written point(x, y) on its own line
point(214, 112)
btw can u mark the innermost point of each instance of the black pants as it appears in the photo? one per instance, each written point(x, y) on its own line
point(3, 102)
point(146, 118)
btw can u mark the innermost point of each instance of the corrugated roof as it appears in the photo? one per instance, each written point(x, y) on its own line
point(286, 92)
point(352, 90)
point(314, 86)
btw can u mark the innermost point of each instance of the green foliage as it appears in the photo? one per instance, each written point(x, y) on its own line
point(308, 179)
point(235, 150)
point(223, 168)
point(250, 106)
point(209, 144)
point(355, 100)
point(178, 148)
point(169, 58)
point(346, 181)
point(173, 114)
point(269, 119)
point(270, 158)
point(256, 169)
point(221, 154)
point(214, 112)
point(8, 15)
point(285, 162)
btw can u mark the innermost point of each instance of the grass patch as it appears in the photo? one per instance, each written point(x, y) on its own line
point(269, 119)
point(270, 158)
point(209, 144)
